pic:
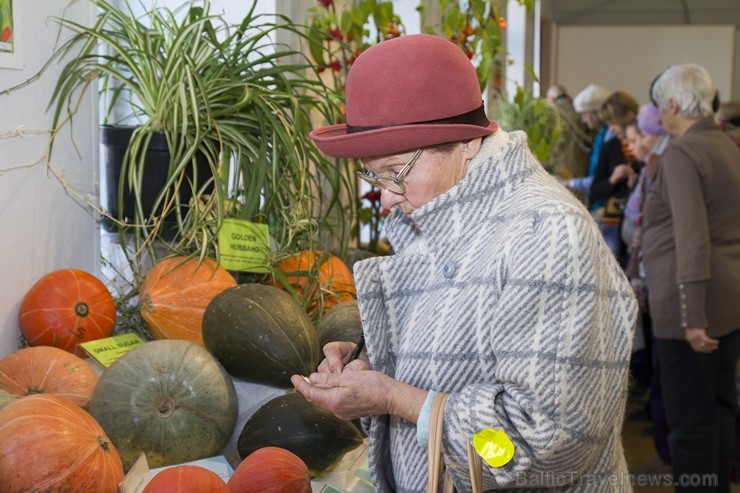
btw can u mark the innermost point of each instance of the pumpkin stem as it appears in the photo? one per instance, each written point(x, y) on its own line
point(81, 309)
point(165, 406)
point(103, 443)
point(35, 390)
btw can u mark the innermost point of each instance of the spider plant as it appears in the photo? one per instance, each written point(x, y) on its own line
point(228, 94)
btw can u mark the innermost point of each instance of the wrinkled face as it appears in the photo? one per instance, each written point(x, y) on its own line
point(431, 175)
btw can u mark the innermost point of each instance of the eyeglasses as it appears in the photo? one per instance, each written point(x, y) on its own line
point(391, 183)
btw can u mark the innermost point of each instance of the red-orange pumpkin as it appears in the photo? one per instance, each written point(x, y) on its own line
point(271, 470)
point(324, 285)
point(186, 479)
point(49, 444)
point(47, 370)
point(176, 293)
point(67, 307)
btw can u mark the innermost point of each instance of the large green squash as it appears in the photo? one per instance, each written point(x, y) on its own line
point(169, 399)
point(260, 334)
point(312, 433)
point(341, 323)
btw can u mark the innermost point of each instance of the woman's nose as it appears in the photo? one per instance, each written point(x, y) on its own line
point(388, 199)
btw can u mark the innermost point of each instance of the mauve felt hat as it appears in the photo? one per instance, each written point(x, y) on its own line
point(648, 120)
point(405, 93)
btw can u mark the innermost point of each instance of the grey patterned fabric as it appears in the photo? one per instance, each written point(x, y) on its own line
point(503, 293)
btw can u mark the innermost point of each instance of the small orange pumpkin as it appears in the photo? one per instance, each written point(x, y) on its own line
point(326, 284)
point(49, 444)
point(271, 470)
point(47, 370)
point(67, 307)
point(186, 479)
point(175, 294)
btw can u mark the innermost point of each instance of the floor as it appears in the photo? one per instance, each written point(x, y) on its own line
point(639, 449)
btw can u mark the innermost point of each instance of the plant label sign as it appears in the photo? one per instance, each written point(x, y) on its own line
point(106, 351)
point(244, 246)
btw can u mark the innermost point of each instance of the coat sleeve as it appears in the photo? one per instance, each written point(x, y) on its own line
point(685, 194)
point(611, 156)
point(560, 333)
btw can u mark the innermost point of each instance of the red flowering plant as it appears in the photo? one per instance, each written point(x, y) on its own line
point(348, 32)
point(476, 26)
point(372, 214)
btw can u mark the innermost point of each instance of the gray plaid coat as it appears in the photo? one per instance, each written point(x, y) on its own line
point(502, 293)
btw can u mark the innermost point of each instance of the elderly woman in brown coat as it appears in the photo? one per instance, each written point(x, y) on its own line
point(692, 261)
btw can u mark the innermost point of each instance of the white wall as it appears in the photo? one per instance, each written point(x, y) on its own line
point(41, 228)
point(629, 57)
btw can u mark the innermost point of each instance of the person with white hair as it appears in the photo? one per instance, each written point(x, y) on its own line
point(587, 104)
point(691, 248)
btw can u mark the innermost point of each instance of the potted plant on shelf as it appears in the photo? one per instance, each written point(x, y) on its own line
point(226, 106)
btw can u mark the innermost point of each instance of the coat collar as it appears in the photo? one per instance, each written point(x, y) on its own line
point(503, 162)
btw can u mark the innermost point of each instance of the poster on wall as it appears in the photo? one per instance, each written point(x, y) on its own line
point(10, 47)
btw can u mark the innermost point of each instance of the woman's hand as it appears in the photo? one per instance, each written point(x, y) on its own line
point(700, 341)
point(354, 394)
point(623, 172)
point(337, 356)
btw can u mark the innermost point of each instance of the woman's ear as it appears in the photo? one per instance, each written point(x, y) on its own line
point(471, 148)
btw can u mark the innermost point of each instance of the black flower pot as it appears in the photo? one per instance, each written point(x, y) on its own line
point(115, 141)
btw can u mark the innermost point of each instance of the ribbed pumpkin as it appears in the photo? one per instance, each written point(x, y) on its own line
point(169, 399)
point(260, 334)
point(175, 294)
point(319, 279)
point(47, 370)
point(186, 479)
point(49, 444)
point(67, 307)
point(271, 470)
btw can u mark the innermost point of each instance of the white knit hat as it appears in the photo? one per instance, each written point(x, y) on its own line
point(590, 99)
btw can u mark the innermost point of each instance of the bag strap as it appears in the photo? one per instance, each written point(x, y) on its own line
point(434, 449)
point(435, 463)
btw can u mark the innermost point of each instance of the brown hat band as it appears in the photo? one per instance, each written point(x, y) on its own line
point(476, 117)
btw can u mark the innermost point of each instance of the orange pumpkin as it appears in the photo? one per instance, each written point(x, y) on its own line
point(326, 284)
point(49, 444)
point(186, 479)
point(67, 307)
point(176, 293)
point(47, 370)
point(271, 470)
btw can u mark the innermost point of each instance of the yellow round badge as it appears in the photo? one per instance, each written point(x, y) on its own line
point(494, 446)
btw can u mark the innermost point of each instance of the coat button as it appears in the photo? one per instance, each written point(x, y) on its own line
point(449, 269)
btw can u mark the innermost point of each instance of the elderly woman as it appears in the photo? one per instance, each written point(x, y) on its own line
point(500, 293)
point(691, 247)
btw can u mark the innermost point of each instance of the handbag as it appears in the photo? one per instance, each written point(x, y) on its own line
point(434, 453)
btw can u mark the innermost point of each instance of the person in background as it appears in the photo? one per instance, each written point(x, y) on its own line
point(728, 120)
point(615, 174)
point(691, 248)
point(500, 291)
point(569, 156)
point(647, 139)
point(588, 103)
